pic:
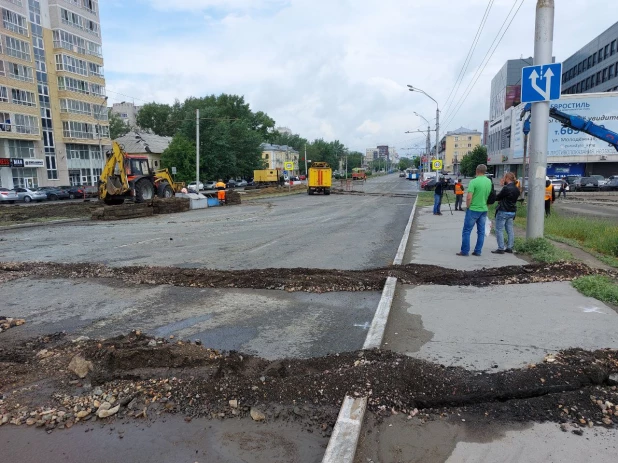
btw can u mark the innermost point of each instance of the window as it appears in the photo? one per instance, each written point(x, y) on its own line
point(94, 49)
point(584, 64)
point(72, 129)
point(588, 83)
point(71, 19)
point(606, 52)
point(598, 77)
point(100, 112)
point(612, 48)
point(592, 81)
point(75, 151)
point(4, 95)
point(22, 97)
point(579, 68)
point(73, 85)
point(90, 6)
point(600, 55)
point(604, 78)
point(102, 131)
point(20, 72)
point(2, 72)
point(5, 122)
point(590, 61)
point(579, 88)
point(456, 138)
point(26, 124)
point(21, 149)
point(75, 107)
point(456, 145)
point(17, 48)
point(469, 145)
point(14, 22)
point(610, 72)
point(70, 64)
point(97, 89)
point(68, 41)
point(469, 138)
point(95, 70)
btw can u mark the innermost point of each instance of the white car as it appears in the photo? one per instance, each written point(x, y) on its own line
point(191, 186)
point(210, 185)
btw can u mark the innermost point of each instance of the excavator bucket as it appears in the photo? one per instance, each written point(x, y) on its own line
point(113, 186)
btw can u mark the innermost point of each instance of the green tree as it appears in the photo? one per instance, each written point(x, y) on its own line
point(405, 163)
point(117, 127)
point(469, 162)
point(156, 117)
point(180, 154)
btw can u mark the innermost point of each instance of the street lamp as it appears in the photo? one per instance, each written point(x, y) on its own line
point(428, 155)
point(414, 89)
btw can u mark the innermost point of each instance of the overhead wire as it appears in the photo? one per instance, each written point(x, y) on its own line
point(468, 59)
point(485, 61)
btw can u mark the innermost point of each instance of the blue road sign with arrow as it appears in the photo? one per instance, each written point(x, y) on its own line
point(541, 83)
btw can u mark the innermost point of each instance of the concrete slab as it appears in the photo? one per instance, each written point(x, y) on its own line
point(272, 324)
point(508, 326)
point(402, 440)
point(436, 240)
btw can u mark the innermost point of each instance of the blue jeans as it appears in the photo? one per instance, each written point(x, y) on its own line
point(505, 219)
point(478, 218)
point(437, 201)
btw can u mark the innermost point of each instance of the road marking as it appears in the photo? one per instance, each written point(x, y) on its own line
point(593, 310)
point(365, 326)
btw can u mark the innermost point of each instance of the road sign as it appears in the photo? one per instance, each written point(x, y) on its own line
point(288, 166)
point(541, 83)
point(436, 165)
point(174, 171)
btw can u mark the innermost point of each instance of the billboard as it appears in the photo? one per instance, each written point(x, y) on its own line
point(600, 108)
point(513, 96)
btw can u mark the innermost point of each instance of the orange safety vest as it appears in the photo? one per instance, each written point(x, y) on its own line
point(459, 189)
point(548, 192)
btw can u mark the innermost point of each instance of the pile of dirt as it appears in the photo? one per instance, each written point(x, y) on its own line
point(130, 210)
point(138, 376)
point(303, 279)
point(48, 210)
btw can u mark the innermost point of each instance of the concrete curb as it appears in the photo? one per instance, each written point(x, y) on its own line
point(342, 444)
point(406, 235)
point(42, 224)
point(346, 434)
point(378, 325)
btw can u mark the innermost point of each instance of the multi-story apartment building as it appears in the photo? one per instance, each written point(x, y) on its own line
point(53, 108)
point(455, 145)
point(127, 111)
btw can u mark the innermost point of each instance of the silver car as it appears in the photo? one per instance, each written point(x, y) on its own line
point(8, 196)
point(27, 195)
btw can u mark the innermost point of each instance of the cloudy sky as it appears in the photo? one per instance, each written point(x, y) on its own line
point(332, 69)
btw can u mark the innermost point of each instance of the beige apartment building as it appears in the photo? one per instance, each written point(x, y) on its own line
point(455, 145)
point(53, 109)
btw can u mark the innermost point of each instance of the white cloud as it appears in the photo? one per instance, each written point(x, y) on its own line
point(333, 69)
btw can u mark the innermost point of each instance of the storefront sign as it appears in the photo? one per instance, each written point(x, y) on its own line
point(5, 162)
point(34, 163)
point(16, 162)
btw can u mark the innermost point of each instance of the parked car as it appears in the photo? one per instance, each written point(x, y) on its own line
point(586, 184)
point(303, 177)
point(557, 182)
point(54, 193)
point(211, 185)
point(612, 185)
point(27, 195)
point(194, 187)
point(241, 184)
point(571, 179)
point(600, 179)
point(402, 174)
point(78, 191)
point(231, 183)
point(8, 196)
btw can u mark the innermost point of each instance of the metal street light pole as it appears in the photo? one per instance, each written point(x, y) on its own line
point(543, 44)
point(428, 155)
point(414, 89)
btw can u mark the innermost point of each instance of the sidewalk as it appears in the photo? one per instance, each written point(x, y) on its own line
point(488, 329)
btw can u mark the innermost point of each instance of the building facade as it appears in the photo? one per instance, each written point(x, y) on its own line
point(455, 145)
point(593, 68)
point(506, 87)
point(126, 111)
point(275, 157)
point(53, 108)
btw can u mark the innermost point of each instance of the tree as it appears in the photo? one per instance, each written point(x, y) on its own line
point(117, 127)
point(405, 163)
point(156, 117)
point(180, 154)
point(469, 162)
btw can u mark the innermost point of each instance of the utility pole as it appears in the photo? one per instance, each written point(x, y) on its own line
point(197, 150)
point(306, 170)
point(428, 156)
point(543, 44)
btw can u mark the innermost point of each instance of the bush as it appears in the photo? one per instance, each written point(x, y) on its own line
point(541, 250)
point(600, 287)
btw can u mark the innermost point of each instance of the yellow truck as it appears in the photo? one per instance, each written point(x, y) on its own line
point(320, 178)
point(267, 177)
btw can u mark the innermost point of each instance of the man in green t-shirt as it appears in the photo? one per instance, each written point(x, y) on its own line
point(476, 211)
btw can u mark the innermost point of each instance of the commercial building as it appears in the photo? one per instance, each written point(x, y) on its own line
point(455, 145)
point(145, 144)
point(53, 110)
point(275, 157)
point(506, 87)
point(126, 111)
point(593, 68)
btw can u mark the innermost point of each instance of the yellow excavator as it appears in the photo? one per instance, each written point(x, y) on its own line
point(130, 177)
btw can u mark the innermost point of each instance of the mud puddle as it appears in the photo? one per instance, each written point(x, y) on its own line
point(302, 279)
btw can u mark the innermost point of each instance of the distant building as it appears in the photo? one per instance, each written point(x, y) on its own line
point(455, 145)
point(275, 156)
point(146, 144)
point(593, 68)
point(284, 130)
point(127, 112)
point(506, 87)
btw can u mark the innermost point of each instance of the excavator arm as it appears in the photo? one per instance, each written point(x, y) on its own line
point(586, 126)
point(114, 180)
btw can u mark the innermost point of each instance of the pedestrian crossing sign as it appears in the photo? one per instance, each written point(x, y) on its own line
point(289, 166)
point(436, 165)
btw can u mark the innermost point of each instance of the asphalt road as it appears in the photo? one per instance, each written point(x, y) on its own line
point(583, 208)
point(336, 231)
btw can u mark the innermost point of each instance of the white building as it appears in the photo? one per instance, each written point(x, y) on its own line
point(127, 112)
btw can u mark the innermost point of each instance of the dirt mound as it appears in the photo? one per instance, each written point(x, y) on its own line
point(143, 375)
point(302, 279)
point(54, 210)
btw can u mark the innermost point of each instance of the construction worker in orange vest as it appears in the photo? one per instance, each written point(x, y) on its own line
point(550, 197)
point(459, 192)
point(221, 193)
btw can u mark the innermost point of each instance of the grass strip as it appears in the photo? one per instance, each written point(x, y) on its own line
point(425, 198)
point(541, 250)
point(600, 287)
